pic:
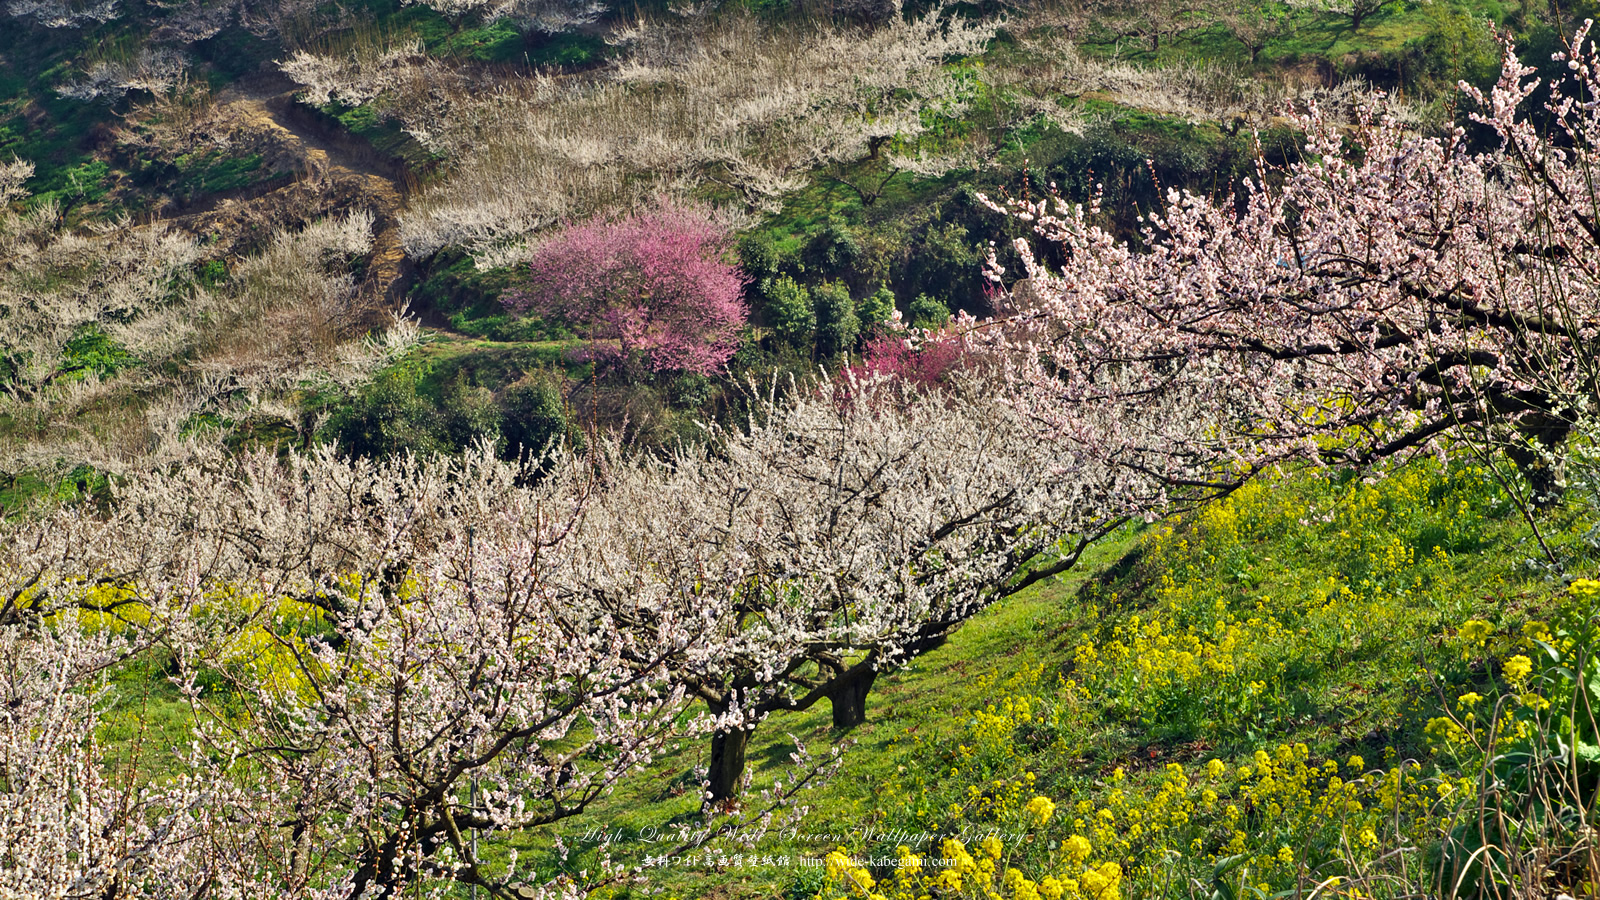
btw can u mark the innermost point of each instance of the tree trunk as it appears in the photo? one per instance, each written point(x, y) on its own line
point(850, 700)
point(384, 868)
point(727, 765)
point(1359, 10)
point(377, 873)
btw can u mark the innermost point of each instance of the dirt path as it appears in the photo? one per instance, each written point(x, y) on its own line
point(341, 167)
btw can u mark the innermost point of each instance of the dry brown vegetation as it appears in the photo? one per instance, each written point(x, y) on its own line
point(758, 109)
point(168, 346)
point(726, 101)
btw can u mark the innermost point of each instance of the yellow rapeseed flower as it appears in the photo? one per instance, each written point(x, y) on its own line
point(1536, 631)
point(1474, 632)
point(1042, 808)
point(1101, 883)
point(1517, 668)
point(1076, 849)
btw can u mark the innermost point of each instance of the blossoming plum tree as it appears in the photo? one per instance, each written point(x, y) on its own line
point(1387, 292)
point(359, 642)
point(918, 357)
point(648, 290)
point(839, 535)
point(78, 816)
point(432, 647)
point(59, 808)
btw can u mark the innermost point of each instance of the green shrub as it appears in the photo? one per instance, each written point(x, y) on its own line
point(788, 311)
point(876, 309)
point(398, 412)
point(211, 273)
point(92, 350)
point(495, 42)
point(532, 416)
point(567, 49)
point(388, 416)
point(946, 262)
point(470, 415)
point(837, 325)
point(84, 184)
point(833, 248)
point(928, 312)
point(759, 256)
point(1457, 47)
point(689, 390)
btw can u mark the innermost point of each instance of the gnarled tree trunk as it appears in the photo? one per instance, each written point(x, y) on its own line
point(1544, 432)
point(850, 700)
point(727, 765)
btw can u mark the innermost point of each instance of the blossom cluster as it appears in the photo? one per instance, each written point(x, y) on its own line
point(1384, 294)
point(379, 658)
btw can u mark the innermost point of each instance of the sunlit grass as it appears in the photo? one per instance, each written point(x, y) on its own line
point(1310, 619)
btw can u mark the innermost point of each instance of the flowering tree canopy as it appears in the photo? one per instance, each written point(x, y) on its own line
point(74, 823)
point(1386, 292)
point(357, 643)
point(651, 289)
point(914, 356)
point(361, 643)
point(838, 535)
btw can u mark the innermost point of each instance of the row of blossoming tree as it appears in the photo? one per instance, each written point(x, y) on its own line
point(382, 659)
point(1389, 293)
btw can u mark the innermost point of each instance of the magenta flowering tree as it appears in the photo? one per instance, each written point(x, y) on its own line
point(924, 359)
point(651, 290)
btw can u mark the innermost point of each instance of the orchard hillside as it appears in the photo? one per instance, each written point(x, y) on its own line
point(1022, 449)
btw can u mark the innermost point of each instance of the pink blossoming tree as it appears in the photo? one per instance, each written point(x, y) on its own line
point(1387, 294)
point(924, 359)
point(650, 290)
